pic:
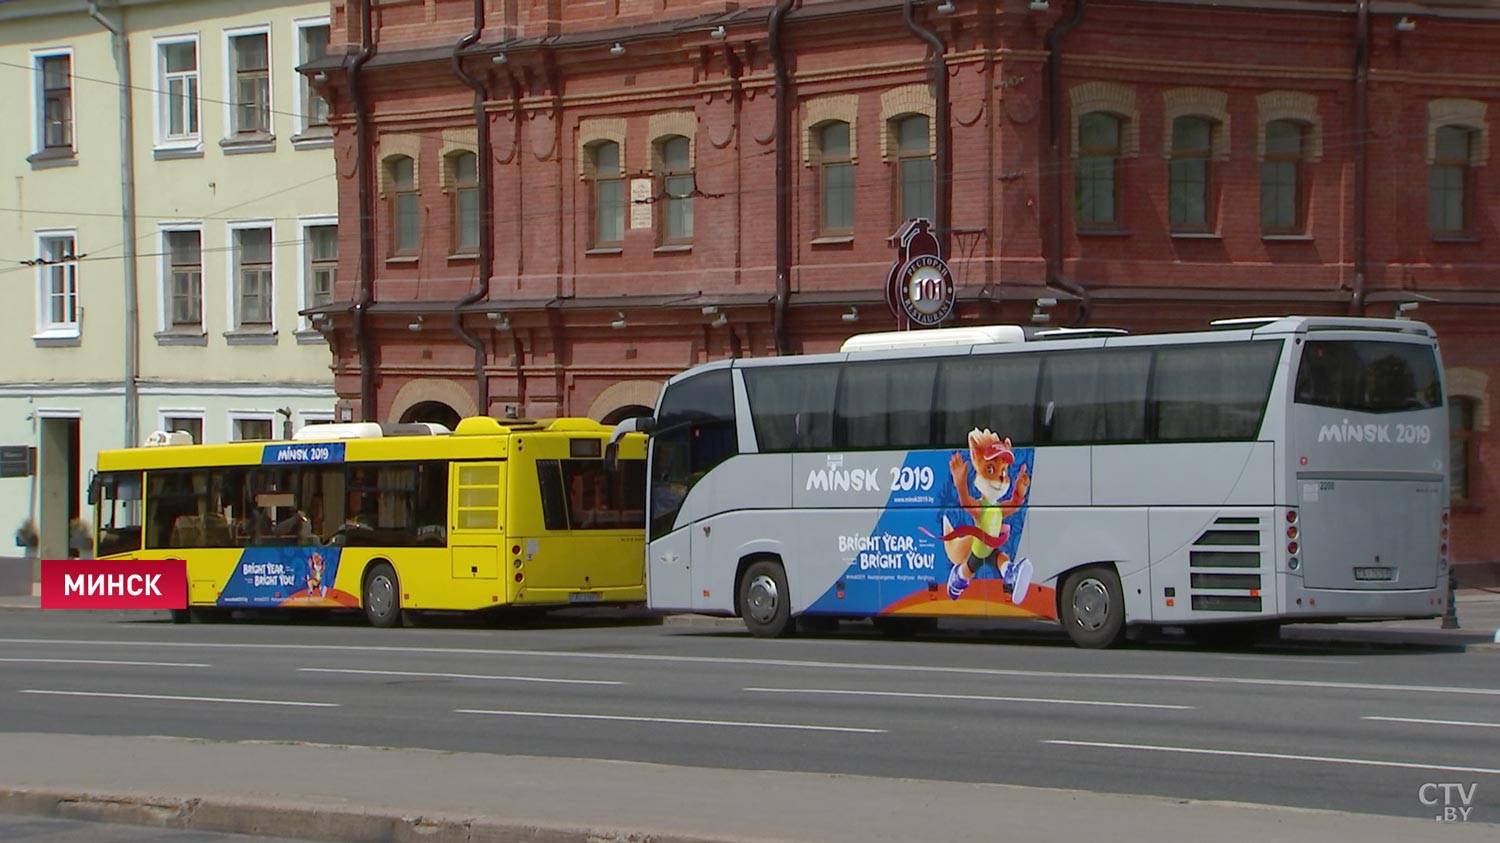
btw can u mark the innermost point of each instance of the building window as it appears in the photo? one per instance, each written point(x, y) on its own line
point(58, 281)
point(322, 263)
point(608, 195)
point(1281, 178)
point(835, 179)
point(192, 425)
point(252, 276)
point(312, 44)
point(463, 175)
point(1095, 197)
point(245, 429)
point(1188, 185)
point(178, 103)
point(250, 97)
point(914, 177)
point(1448, 181)
point(676, 189)
point(401, 199)
point(1461, 412)
point(55, 77)
point(185, 284)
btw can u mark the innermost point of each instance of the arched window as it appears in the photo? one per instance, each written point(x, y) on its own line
point(914, 169)
point(463, 175)
point(401, 204)
point(676, 190)
point(1448, 182)
point(1461, 413)
point(1189, 185)
point(1281, 188)
point(607, 196)
point(835, 179)
point(1096, 197)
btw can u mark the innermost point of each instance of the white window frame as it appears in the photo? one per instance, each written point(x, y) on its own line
point(304, 263)
point(232, 279)
point(164, 277)
point(164, 140)
point(230, 82)
point(249, 415)
point(302, 418)
point(304, 85)
point(198, 413)
point(39, 102)
point(45, 327)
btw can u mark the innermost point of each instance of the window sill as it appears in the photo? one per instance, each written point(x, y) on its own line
point(241, 145)
point(401, 260)
point(1455, 238)
point(833, 240)
point(606, 250)
point(1196, 235)
point(250, 336)
point(310, 336)
point(463, 256)
point(1104, 232)
point(1287, 238)
point(168, 153)
point(49, 158)
point(672, 248)
point(317, 138)
point(58, 339)
point(182, 337)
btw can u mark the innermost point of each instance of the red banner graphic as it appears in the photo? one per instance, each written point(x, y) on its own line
point(121, 584)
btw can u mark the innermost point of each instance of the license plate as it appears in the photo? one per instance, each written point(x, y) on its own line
point(1374, 574)
point(584, 597)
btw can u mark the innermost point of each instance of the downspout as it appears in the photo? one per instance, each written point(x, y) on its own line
point(1361, 117)
point(783, 174)
point(127, 225)
point(1054, 256)
point(486, 208)
point(364, 142)
point(942, 202)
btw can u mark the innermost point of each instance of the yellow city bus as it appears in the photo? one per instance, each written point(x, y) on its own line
point(391, 519)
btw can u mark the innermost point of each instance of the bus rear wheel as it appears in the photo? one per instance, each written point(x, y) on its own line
point(1092, 608)
point(382, 597)
point(765, 600)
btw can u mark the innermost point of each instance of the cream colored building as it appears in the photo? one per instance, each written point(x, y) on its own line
point(218, 211)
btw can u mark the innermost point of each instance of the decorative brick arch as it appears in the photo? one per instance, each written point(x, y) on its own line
point(393, 145)
point(1471, 383)
point(594, 129)
point(440, 390)
point(1196, 102)
point(454, 141)
point(669, 123)
point(1296, 106)
point(899, 102)
point(843, 108)
point(1110, 98)
point(1470, 115)
point(623, 394)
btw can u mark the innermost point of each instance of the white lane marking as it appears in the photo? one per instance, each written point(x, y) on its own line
point(980, 697)
point(1281, 756)
point(459, 676)
point(1426, 722)
point(175, 698)
point(1277, 660)
point(671, 720)
point(103, 661)
point(815, 665)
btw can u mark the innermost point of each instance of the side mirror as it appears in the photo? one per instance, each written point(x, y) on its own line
point(638, 424)
point(96, 488)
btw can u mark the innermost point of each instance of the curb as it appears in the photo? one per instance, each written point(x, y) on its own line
point(303, 822)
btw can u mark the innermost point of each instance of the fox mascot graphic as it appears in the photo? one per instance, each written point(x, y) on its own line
point(970, 547)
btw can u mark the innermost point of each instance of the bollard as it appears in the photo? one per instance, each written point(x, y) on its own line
point(1450, 617)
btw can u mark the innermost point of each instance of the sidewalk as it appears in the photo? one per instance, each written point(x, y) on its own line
point(360, 795)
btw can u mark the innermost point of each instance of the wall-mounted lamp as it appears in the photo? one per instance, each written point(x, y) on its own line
point(720, 321)
point(415, 324)
point(617, 50)
point(1405, 25)
point(852, 315)
point(501, 320)
point(346, 413)
point(320, 77)
point(500, 58)
point(718, 32)
point(945, 8)
point(1039, 5)
point(619, 319)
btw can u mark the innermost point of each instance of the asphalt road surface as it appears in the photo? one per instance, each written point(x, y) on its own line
point(1353, 728)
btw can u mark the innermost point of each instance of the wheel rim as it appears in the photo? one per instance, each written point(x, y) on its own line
point(380, 595)
point(762, 599)
point(1091, 604)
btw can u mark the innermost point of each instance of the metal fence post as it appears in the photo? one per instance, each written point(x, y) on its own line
point(1450, 617)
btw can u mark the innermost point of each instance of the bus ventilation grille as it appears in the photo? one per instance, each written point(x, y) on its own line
point(1225, 562)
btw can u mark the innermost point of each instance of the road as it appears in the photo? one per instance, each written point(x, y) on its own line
point(1338, 727)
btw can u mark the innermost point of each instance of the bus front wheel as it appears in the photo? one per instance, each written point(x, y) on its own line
point(1092, 609)
point(382, 597)
point(765, 601)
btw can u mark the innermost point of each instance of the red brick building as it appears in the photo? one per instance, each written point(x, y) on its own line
point(560, 203)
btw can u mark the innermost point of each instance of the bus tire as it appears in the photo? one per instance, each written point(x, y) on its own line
point(765, 600)
point(382, 596)
point(1092, 607)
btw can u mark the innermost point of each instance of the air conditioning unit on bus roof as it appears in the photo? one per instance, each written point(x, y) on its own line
point(366, 430)
point(935, 338)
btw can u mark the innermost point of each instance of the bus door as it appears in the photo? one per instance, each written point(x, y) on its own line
point(477, 537)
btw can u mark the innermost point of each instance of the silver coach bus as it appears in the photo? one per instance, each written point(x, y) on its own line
point(1227, 481)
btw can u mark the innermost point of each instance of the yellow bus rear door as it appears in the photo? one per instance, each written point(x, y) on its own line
point(477, 534)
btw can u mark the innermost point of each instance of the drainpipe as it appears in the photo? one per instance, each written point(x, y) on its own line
point(942, 201)
point(1054, 257)
point(365, 176)
point(486, 208)
point(783, 174)
point(1361, 118)
point(127, 225)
